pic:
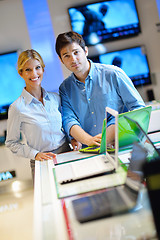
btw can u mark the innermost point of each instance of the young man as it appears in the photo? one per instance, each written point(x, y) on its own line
point(89, 89)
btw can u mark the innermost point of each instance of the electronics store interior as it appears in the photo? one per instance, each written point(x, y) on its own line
point(60, 196)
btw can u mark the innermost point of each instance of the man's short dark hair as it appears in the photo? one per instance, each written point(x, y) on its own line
point(66, 38)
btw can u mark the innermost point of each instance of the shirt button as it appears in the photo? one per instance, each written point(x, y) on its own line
point(92, 112)
point(89, 99)
point(95, 125)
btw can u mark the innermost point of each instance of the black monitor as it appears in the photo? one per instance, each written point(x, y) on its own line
point(133, 61)
point(11, 84)
point(104, 21)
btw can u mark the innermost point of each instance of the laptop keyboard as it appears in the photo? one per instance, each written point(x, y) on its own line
point(83, 169)
point(92, 166)
point(102, 200)
point(98, 205)
point(93, 148)
point(131, 193)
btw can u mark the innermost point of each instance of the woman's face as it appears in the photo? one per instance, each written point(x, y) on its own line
point(32, 73)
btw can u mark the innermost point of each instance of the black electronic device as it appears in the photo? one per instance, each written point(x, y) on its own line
point(105, 21)
point(152, 174)
point(133, 61)
point(10, 81)
point(150, 95)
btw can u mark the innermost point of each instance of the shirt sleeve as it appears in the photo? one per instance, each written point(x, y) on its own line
point(13, 139)
point(69, 118)
point(58, 101)
point(129, 94)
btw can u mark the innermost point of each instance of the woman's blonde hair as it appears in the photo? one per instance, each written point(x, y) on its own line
point(27, 55)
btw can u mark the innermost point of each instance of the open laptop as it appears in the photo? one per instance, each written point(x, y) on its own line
point(143, 150)
point(108, 202)
point(122, 198)
point(90, 167)
point(102, 148)
point(152, 175)
point(150, 168)
point(126, 135)
point(145, 141)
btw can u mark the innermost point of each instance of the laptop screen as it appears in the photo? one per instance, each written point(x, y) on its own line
point(126, 135)
point(112, 135)
point(143, 138)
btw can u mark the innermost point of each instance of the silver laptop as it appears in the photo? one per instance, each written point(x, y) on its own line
point(123, 198)
point(95, 166)
point(108, 202)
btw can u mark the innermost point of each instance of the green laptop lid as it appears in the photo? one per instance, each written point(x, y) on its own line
point(103, 139)
point(126, 135)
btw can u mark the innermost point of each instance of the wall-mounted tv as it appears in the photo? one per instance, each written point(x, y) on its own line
point(11, 84)
point(104, 21)
point(133, 61)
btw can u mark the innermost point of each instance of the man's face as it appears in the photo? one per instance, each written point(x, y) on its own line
point(74, 58)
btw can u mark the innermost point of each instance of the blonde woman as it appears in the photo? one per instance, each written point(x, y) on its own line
point(37, 114)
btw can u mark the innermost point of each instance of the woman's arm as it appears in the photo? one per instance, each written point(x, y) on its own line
point(13, 139)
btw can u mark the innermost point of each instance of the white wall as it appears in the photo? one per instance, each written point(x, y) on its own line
point(13, 27)
point(14, 32)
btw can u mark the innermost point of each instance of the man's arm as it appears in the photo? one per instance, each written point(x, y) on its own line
point(81, 136)
point(69, 117)
point(110, 133)
point(128, 92)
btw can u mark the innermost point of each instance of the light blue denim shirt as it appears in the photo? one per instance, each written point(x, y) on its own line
point(40, 124)
point(84, 104)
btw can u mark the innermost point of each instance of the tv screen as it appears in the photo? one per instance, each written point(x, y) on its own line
point(11, 84)
point(133, 61)
point(105, 20)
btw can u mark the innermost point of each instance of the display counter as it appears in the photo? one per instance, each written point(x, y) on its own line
point(54, 218)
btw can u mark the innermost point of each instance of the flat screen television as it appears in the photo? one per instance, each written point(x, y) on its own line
point(133, 61)
point(104, 21)
point(11, 84)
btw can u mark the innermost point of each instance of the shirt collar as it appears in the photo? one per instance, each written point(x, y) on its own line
point(45, 94)
point(29, 98)
point(90, 75)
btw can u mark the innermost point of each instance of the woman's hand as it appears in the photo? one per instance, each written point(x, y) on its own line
point(76, 145)
point(41, 156)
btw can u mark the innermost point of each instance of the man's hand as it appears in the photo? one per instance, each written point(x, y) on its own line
point(83, 137)
point(96, 140)
point(76, 145)
point(41, 156)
